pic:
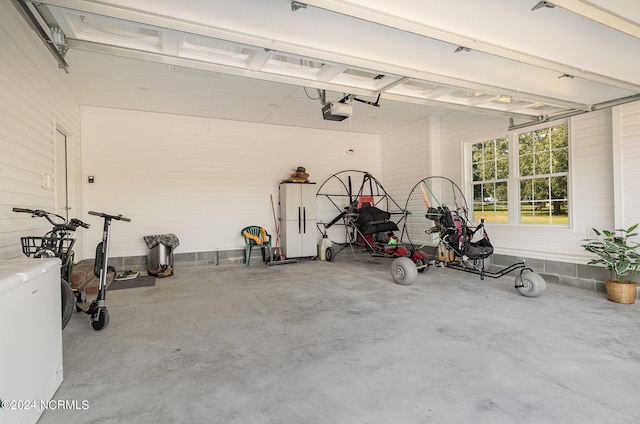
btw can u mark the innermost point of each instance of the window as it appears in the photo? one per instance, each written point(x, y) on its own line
point(522, 178)
point(543, 162)
point(490, 169)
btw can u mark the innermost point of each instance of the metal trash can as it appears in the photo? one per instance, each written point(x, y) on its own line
point(161, 247)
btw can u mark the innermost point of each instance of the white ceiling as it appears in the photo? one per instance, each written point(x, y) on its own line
point(263, 61)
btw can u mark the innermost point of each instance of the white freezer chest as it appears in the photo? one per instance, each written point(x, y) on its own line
point(31, 339)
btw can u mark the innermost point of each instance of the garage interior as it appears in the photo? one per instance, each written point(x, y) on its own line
point(187, 117)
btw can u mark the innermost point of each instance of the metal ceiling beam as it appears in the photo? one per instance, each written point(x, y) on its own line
point(377, 17)
point(434, 93)
point(217, 68)
point(213, 67)
point(602, 16)
point(385, 85)
point(482, 99)
point(257, 59)
point(457, 107)
point(329, 72)
point(170, 42)
point(159, 21)
point(26, 13)
point(569, 114)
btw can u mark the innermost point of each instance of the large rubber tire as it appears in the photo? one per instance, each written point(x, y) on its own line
point(329, 255)
point(530, 284)
point(67, 266)
point(68, 301)
point(404, 271)
point(102, 321)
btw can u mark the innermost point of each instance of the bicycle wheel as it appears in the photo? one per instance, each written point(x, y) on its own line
point(68, 300)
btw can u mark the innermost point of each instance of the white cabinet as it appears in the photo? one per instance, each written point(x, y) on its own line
point(298, 229)
point(31, 340)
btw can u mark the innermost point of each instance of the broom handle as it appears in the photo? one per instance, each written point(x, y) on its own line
point(275, 223)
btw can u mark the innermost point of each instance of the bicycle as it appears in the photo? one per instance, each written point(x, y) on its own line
point(56, 243)
point(98, 308)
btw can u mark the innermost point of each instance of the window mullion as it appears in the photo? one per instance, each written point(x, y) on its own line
point(513, 184)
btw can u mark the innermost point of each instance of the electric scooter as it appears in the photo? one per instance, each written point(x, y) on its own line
point(98, 308)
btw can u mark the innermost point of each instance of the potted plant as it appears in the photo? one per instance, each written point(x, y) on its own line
point(620, 256)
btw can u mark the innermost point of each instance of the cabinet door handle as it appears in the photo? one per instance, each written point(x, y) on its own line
point(299, 221)
point(304, 214)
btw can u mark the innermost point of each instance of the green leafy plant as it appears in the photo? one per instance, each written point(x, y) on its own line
point(617, 252)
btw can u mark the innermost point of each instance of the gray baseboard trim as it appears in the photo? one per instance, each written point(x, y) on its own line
point(214, 257)
point(588, 277)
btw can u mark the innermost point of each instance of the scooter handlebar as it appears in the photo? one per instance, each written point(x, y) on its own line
point(104, 215)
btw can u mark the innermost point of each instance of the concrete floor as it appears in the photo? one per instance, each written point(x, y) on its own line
point(319, 342)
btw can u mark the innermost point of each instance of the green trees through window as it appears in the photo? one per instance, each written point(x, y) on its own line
point(543, 160)
point(542, 170)
point(490, 168)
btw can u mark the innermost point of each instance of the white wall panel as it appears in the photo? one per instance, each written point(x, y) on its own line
point(458, 128)
point(628, 119)
point(33, 101)
point(591, 172)
point(405, 159)
point(201, 179)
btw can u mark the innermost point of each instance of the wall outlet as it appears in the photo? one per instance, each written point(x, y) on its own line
point(46, 181)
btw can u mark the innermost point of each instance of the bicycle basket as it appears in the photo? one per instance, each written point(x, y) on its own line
point(32, 245)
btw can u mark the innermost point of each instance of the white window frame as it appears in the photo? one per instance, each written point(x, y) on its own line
point(469, 170)
point(513, 181)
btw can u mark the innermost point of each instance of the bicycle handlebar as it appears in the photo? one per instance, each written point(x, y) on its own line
point(34, 212)
point(23, 210)
point(104, 215)
point(78, 223)
point(40, 213)
point(71, 225)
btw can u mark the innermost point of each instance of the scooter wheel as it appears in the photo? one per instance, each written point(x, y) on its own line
point(102, 321)
point(404, 271)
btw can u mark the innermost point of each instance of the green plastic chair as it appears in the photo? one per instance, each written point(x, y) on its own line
point(251, 236)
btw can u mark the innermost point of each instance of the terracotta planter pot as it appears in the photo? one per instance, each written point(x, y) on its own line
point(621, 292)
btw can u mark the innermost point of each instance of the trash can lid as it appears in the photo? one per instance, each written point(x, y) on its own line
point(169, 240)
